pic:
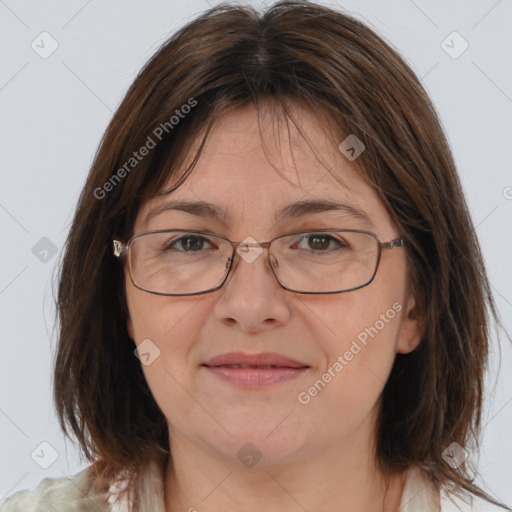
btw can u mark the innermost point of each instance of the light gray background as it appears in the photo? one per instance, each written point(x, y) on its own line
point(55, 110)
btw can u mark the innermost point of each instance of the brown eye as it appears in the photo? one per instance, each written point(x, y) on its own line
point(188, 243)
point(318, 242)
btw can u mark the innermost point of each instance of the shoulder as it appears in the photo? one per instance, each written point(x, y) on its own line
point(68, 494)
point(421, 494)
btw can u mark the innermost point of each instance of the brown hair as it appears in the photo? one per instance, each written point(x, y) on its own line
point(317, 58)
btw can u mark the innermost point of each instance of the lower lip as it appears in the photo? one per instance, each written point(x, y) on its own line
point(255, 377)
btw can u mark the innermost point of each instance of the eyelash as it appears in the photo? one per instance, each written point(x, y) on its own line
point(340, 243)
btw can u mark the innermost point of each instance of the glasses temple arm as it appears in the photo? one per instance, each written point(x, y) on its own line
point(397, 242)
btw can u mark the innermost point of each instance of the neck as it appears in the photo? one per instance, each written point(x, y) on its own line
point(339, 478)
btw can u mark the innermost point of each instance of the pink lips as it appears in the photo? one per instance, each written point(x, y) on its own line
point(252, 371)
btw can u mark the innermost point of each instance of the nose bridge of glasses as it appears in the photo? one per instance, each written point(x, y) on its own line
point(250, 244)
point(238, 248)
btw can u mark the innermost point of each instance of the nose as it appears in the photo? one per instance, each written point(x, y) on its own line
point(251, 298)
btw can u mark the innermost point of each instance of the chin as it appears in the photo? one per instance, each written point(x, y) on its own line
point(249, 436)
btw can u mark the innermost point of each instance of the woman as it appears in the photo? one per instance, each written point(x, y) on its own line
point(271, 315)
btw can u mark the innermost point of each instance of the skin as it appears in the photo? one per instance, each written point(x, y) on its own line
point(319, 456)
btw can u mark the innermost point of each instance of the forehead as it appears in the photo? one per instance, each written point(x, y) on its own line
point(252, 169)
point(250, 145)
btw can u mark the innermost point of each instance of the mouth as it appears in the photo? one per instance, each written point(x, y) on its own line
point(254, 371)
point(259, 367)
point(262, 360)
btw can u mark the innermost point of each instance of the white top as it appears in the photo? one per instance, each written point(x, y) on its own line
point(70, 495)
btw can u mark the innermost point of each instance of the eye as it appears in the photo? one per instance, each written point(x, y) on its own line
point(321, 242)
point(188, 243)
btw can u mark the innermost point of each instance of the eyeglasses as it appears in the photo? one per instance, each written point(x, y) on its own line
point(190, 262)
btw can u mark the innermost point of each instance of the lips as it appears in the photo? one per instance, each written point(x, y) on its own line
point(254, 371)
point(263, 361)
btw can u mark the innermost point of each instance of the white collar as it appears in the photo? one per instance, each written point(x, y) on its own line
point(419, 493)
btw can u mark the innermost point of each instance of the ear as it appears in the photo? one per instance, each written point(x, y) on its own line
point(411, 330)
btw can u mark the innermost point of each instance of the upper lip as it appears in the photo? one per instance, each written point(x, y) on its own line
point(263, 359)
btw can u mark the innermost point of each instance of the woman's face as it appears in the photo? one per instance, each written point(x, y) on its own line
point(347, 341)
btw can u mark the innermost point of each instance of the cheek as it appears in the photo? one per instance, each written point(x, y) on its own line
point(157, 317)
point(362, 324)
point(163, 327)
point(359, 355)
point(164, 330)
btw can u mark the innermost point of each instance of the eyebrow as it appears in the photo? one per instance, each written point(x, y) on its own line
point(293, 210)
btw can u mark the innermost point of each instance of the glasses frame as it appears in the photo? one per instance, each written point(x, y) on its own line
point(122, 250)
